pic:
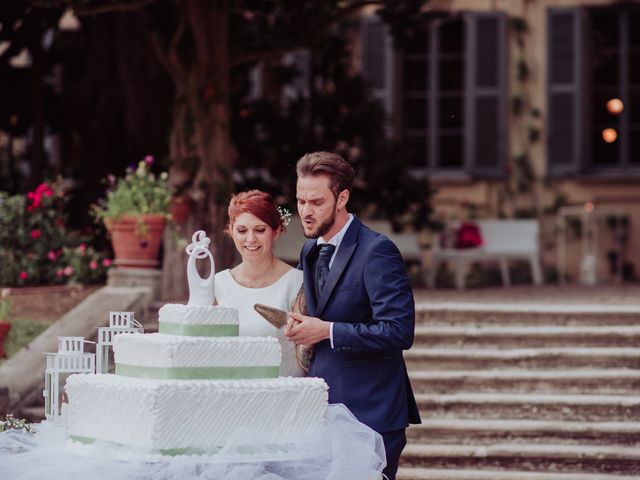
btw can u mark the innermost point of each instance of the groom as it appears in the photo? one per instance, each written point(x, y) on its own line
point(360, 305)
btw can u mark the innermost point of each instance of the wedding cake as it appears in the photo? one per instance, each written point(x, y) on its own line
point(196, 385)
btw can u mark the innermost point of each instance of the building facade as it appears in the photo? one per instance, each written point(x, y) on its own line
point(523, 108)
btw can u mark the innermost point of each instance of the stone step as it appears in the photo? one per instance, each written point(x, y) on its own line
point(488, 431)
point(611, 381)
point(445, 313)
point(408, 473)
point(527, 336)
point(526, 457)
point(435, 358)
point(592, 408)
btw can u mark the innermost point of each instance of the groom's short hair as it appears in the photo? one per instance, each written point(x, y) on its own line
point(341, 174)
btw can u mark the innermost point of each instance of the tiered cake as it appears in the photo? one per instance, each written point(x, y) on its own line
point(196, 385)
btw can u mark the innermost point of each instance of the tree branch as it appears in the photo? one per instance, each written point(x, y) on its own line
point(82, 8)
point(170, 59)
point(256, 55)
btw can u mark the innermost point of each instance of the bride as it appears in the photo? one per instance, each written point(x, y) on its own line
point(254, 225)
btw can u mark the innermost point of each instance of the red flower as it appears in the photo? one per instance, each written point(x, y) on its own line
point(36, 234)
point(36, 196)
point(106, 262)
point(468, 236)
point(23, 275)
point(52, 255)
point(93, 265)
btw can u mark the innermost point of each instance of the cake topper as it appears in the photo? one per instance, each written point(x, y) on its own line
point(201, 290)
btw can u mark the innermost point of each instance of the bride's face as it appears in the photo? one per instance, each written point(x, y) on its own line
point(253, 238)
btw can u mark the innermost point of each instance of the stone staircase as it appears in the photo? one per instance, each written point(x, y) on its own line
point(525, 392)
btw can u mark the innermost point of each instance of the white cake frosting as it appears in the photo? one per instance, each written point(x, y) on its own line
point(179, 319)
point(194, 416)
point(162, 354)
point(196, 385)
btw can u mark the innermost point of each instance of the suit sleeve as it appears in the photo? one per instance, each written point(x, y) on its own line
point(391, 302)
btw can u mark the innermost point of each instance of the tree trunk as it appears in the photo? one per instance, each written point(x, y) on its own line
point(203, 93)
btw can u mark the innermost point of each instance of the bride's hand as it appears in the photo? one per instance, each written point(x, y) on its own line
point(305, 330)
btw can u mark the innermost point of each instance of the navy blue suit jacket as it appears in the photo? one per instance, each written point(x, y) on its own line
point(368, 297)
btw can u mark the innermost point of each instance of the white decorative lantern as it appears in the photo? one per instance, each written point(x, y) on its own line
point(119, 322)
point(70, 358)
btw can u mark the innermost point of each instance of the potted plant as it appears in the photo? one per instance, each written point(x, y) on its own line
point(135, 212)
point(5, 326)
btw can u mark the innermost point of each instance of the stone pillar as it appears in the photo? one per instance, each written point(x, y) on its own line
point(136, 277)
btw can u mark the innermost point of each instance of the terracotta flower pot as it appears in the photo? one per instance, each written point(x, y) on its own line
point(180, 207)
point(136, 240)
point(4, 332)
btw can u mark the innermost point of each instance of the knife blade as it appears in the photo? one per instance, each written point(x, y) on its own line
point(276, 317)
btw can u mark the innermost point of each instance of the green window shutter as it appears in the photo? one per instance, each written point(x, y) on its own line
point(565, 90)
point(486, 93)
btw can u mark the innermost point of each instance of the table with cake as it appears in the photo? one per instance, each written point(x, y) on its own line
point(196, 400)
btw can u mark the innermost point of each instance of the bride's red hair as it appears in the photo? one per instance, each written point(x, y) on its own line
point(258, 203)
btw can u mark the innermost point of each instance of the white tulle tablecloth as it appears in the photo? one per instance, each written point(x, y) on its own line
point(344, 449)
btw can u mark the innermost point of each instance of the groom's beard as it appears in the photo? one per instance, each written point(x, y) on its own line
point(324, 227)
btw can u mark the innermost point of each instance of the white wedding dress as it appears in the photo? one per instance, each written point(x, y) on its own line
point(281, 294)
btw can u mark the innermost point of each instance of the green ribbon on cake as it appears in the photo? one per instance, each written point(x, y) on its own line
point(199, 330)
point(198, 373)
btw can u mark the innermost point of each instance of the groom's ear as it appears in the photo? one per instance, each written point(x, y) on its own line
point(343, 198)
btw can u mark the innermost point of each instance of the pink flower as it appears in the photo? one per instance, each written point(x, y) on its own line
point(93, 265)
point(59, 272)
point(35, 234)
point(107, 262)
point(52, 255)
point(68, 270)
point(83, 248)
point(23, 275)
point(148, 160)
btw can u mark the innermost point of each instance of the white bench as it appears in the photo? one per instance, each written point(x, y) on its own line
point(503, 240)
point(288, 246)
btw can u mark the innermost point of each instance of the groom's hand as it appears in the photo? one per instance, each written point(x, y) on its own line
point(305, 330)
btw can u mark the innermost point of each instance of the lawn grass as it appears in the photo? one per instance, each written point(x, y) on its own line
point(23, 330)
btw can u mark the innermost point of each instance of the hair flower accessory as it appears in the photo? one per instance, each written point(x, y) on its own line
point(285, 216)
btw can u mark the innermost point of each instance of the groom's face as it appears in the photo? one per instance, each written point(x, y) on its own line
point(316, 205)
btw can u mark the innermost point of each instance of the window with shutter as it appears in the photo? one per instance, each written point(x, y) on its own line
point(376, 59)
point(564, 90)
point(594, 90)
point(487, 93)
point(453, 94)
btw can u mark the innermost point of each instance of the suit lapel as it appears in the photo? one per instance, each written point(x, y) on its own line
point(307, 270)
point(345, 251)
